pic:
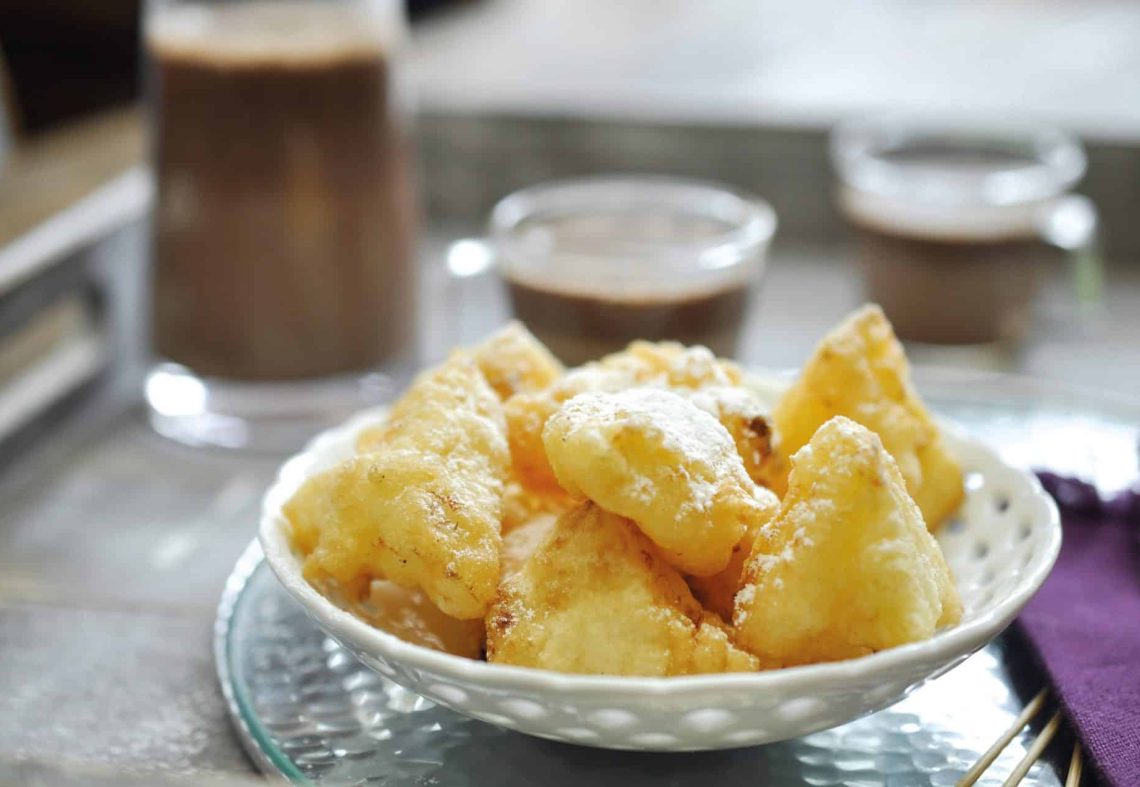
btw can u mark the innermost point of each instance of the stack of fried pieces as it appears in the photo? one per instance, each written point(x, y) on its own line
point(643, 514)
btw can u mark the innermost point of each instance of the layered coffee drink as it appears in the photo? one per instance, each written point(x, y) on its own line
point(283, 238)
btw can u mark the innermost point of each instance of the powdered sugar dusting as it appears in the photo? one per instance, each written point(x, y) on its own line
point(703, 494)
point(743, 603)
point(642, 488)
point(695, 444)
point(660, 364)
point(698, 363)
point(730, 401)
point(649, 454)
point(682, 428)
point(591, 377)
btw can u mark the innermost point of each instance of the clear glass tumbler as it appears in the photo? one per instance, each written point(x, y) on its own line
point(956, 224)
point(593, 263)
point(284, 269)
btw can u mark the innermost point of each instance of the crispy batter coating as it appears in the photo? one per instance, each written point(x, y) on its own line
point(859, 370)
point(746, 418)
point(651, 455)
point(673, 365)
point(448, 409)
point(423, 509)
point(718, 592)
point(715, 650)
point(847, 567)
point(596, 598)
point(773, 472)
point(522, 505)
point(523, 540)
point(665, 364)
point(514, 361)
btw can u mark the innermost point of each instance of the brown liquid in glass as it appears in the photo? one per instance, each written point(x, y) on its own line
point(959, 288)
point(953, 290)
point(283, 233)
point(579, 328)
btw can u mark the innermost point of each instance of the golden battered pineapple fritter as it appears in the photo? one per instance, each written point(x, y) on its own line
point(859, 370)
point(595, 597)
point(847, 567)
point(422, 507)
point(513, 361)
point(653, 456)
point(662, 364)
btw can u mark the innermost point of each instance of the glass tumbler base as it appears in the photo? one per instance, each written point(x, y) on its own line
point(271, 417)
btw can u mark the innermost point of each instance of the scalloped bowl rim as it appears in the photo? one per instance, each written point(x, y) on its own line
point(945, 646)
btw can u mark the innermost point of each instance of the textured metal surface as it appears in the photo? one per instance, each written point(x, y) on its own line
point(308, 710)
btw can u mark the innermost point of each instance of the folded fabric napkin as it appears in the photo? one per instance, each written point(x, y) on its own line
point(1085, 624)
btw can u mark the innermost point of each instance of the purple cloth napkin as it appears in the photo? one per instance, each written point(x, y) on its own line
point(1085, 626)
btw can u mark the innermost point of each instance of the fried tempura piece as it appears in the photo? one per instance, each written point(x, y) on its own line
point(664, 364)
point(847, 567)
point(522, 505)
point(651, 455)
point(596, 598)
point(514, 361)
point(717, 593)
point(746, 418)
point(714, 650)
point(424, 510)
point(448, 408)
point(674, 365)
point(773, 472)
point(859, 370)
point(744, 415)
point(523, 540)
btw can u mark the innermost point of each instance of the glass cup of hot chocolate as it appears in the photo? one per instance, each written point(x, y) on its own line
point(591, 264)
point(957, 225)
point(283, 260)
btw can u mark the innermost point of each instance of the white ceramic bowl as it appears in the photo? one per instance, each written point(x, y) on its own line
point(1000, 548)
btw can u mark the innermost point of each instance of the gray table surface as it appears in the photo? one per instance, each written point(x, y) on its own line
point(114, 543)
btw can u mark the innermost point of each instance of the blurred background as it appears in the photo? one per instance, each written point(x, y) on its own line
point(513, 92)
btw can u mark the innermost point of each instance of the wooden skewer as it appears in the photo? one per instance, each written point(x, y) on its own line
point(991, 754)
point(1076, 766)
point(1035, 750)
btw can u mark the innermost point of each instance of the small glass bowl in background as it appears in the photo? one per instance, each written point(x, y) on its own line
point(594, 263)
